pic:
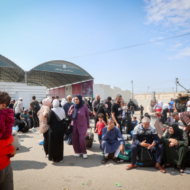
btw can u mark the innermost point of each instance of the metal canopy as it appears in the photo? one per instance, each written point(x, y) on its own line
point(50, 74)
point(9, 71)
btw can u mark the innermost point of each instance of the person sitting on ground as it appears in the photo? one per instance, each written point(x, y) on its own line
point(22, 125)
point(25, 116)
point(112, 141)
point(134, 122)
point(175, 144)
point(145, 135)
point(185, 118)
point(99, 127)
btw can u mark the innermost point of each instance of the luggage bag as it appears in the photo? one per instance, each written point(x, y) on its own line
point(89, 138)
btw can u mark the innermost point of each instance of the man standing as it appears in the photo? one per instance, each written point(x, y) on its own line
point(116, 111)
point(171, 105)
point(108, 102)
point(90, 103)
point(68, 105)
point(18, 106)
point(177, 104)
point(34, 105)
point(57, 97)
point(165, 110)
point(145, 135)
point(141, 111)
point(94, 104)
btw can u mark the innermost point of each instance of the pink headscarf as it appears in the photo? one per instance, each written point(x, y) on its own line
point(47, 102)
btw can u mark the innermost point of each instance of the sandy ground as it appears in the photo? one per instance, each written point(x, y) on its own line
point(34, 172)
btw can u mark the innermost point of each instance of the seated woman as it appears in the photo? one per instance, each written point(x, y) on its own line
point(112, 141)
point(22, 125)
point(175, 144)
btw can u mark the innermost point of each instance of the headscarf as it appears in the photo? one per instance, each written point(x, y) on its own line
point(47, 102)
point(77, 106)
point(151, 101)
point(17, 116)
point(63, 102)
point(60, 112)
point(177, 131)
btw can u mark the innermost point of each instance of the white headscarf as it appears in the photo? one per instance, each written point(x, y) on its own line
point(63, 102)
point(60, 112)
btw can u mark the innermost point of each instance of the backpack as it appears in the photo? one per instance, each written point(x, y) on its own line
point(145, 158)
point(36, 107)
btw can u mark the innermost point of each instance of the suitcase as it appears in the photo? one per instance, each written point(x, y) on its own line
point(89, 138)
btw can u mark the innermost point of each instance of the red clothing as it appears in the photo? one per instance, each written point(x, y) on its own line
point(5, 149)
point(100, 126)
point(6, 123)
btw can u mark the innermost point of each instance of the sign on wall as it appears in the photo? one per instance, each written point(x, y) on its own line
point(87, 88)
point(76, 89)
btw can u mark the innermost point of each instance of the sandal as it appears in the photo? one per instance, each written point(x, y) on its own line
point(104, 160)
point(116, 160)
point(180, 170)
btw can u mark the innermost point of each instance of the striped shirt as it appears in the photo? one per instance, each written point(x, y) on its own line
point(185, 118)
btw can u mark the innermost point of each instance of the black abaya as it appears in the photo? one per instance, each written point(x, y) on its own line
point(55, 137)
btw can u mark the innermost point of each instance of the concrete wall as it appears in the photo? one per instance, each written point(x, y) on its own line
point(105, 90)
point(144, 99)
point(17, 90)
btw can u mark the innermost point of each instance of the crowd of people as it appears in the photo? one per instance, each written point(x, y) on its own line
point(169, 140)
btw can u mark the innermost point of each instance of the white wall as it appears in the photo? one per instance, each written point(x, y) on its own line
point(17, 90)
point(105, 90)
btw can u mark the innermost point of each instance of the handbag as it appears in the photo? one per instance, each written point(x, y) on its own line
point(68, 126)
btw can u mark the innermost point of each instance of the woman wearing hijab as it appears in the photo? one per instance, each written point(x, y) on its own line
point(43, 115)
point(175, 144)
point(22, 125)
point(80, 122)
point(56, 132)
point(155, 121)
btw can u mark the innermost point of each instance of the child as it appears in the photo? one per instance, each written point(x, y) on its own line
point(158, 107)
point(99, 126)
point(134, 122)
point(6, 138)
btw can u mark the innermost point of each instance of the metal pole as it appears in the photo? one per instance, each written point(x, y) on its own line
point(176, 79)
point(45, 78)
point(132, 89)
point(25, 77)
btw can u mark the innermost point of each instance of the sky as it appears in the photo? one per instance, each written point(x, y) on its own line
point(33, 32)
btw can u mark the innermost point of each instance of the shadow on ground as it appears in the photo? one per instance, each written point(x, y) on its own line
point(19, 165)
point(23, 149)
